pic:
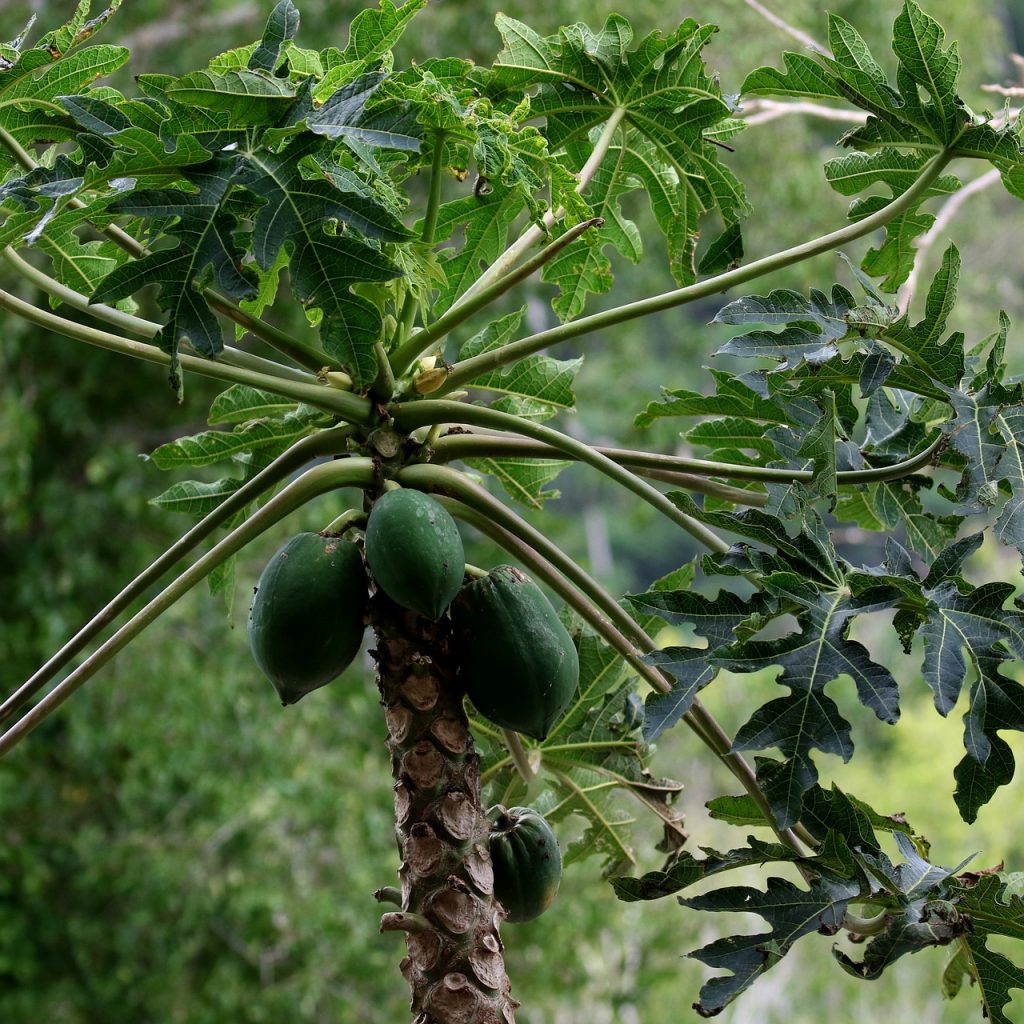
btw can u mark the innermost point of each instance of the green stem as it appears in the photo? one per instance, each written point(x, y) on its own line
point(419, 344)
point(407, 317)
point(353, 472)
point(865, 925)
point(483, 445)
point(136, 324)
point(347, 406)
point(349, 518)
point(469, 446)
point(469, 369)
point(388, 894)
point(496, 767)
point(20, 154)
point(324, 442)
point(384, 385)
point(434, 195)
point(418, 414)
point(301, 352)
point(721, 744)
point(701, 485)
point(514, 745)
point(533, 234)
point(76, 300)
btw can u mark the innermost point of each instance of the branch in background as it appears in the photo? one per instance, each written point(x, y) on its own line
point(1011, 90)
point(942, 220)
point(791, 30)
point(771, 110)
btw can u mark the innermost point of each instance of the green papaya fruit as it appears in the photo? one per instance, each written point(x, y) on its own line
point(519, 664)
point(306, 621)
point(526, 860)
point(414, 551)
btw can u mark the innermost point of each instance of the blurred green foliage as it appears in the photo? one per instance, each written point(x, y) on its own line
point(174, 847)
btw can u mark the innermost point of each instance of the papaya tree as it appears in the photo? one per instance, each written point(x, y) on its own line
point(403, 209)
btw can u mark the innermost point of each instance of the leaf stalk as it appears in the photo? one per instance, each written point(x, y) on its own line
point(465, 372)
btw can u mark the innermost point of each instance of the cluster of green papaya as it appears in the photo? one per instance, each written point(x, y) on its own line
point(518, 662)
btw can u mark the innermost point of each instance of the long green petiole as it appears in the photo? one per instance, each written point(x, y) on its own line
point(410, 307)
point(347, 406)
point(138, 325)
point(352, 472)
point(417, 414)
point(493, 445)
point(420, 344)
point(514, 745)
point(325, 442)
point(533, 234)
point(469, 369)
point(301, 352)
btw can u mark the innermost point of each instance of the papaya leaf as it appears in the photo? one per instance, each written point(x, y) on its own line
point(524, 480)
point(922, 342)
point(791, 913)
point(371, 35)
point(240, 403)
point(281, 28)
point(894, 258)
point(213, 446)
point(30, 91)
point(485, 221)
point(247, 97)
point(687, 869)
point(994, 974)
point(582, 268)
point(804, 578)
point(196, 498)
point(718, 620)
point(583, 76)
point(907, 122)
point(895, 508)
point(206, 248)
point(350, 336)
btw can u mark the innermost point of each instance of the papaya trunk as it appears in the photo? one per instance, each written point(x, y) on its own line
point(454, 964)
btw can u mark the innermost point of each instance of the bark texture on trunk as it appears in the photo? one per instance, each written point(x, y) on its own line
point(454, 964)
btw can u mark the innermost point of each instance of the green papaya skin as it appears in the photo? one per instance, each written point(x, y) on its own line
point(307, 617)
point(414, 551)
point(526, 860)
point(519, 664)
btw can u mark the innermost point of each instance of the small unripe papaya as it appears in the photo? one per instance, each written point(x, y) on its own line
point(526, 860)
point(414, 551)
point(519, 664)
point(308, 614)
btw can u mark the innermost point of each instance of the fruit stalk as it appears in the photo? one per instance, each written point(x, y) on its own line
point(455, 965)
